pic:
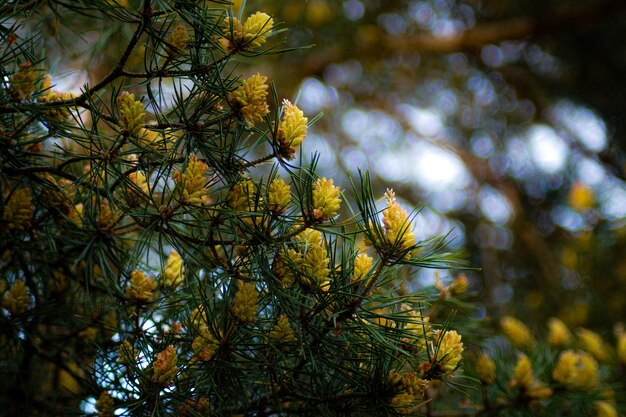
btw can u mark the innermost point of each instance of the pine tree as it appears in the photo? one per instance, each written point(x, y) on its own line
point(167, 249)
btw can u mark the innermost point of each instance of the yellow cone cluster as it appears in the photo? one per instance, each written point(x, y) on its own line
point(398, 231)
point(131, 113)
point(457, 287)
point(524, 379)
point(308, 262)
point(204, 345)
point(157, 141)
point(605, 409)
point(486, 369)
point(105, 405)
point(16, 300)
point(23, 82)
point(326, 199)
point(408, 389)
point(292, 130)
point(173, 273)
point(252, 33)
point(70, 380)
point(278, 195)
point(517, 332)
point(246, 303)
point(198, 318)
point(256, 28)
point(141, 288)
point(195, 407)
point(140, 189)
point(235, 26)
point(107, 217)
point(558, 333)
point(417, 327)
point(178, 41)
point(165, 366)
point(315, 262)
point(18, 211)
point(449, 350)
point(192, 183)
point(242, 196)
point(251, 99)
point(285, 264)
point(362, 265)
point(60, 113)
point(591, 342)
point(282, 332)
point(577, 371)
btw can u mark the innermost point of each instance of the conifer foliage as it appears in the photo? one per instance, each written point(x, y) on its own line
point(166, 249)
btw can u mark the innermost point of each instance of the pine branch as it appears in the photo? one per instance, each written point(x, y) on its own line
point(114, 74)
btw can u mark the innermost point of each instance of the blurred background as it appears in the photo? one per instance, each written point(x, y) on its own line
point(503, 120)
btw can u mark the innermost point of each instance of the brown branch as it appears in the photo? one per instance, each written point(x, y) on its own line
point(265, 158)
point(525, 88)
point(516, 28)
point(77, 159)
point(165, 73)
point(22, 126)
point(50, 170)
point(115, 73)
point(472, 39)
point(450, 413)
point(190, 127)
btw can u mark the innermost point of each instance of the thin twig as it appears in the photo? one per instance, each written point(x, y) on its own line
point(115, 73)
point(50, 170)
point(22, 126)
point(265, 158)
point(164, 73)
